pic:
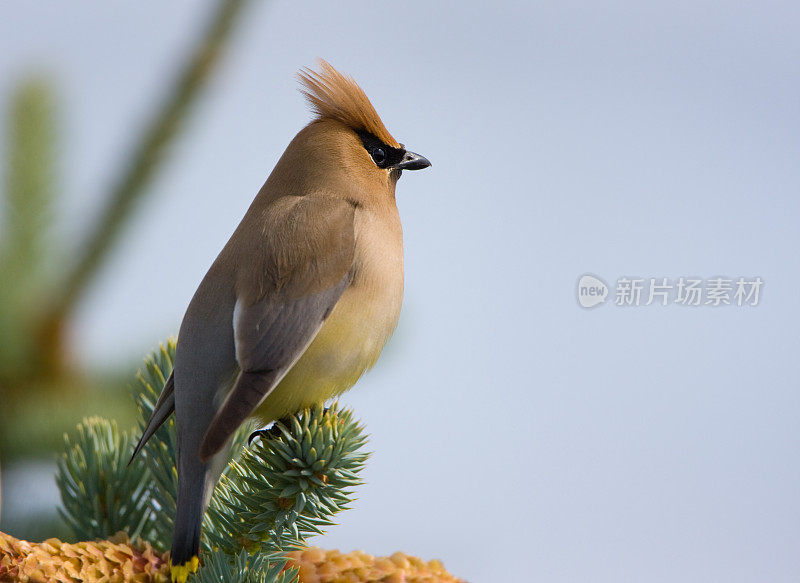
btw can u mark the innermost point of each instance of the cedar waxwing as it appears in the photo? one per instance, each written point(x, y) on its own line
point(300, 301)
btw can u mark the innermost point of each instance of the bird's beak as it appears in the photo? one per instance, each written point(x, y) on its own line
point(412, 161)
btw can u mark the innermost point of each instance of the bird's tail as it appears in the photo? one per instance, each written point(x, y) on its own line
point(196, 481)
point(188, 522)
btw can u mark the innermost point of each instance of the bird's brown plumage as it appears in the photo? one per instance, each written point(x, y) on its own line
point(324, 229)
point(336, 96)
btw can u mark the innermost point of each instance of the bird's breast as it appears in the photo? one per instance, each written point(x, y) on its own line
point(352, 337)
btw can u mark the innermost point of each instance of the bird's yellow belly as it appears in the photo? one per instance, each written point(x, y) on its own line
point(347, 345)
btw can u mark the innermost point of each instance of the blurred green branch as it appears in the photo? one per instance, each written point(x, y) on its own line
point(148, 154)
point(146, 157)
point(25, 253)
point(37, 299)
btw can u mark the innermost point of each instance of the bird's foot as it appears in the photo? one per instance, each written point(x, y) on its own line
point(270, 432)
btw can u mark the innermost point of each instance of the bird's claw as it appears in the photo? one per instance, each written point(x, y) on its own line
point(257, 433)
point(270, 432)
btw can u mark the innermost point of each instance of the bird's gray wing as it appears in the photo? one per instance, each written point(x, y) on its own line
point(308, 265)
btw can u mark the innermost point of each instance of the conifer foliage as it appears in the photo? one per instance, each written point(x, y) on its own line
point(275, 493)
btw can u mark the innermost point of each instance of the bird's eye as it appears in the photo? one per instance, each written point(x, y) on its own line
point(379, 156)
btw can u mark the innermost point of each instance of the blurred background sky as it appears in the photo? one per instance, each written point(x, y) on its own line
point(516, 436)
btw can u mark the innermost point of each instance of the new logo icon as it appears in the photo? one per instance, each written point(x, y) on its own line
point(591, 291)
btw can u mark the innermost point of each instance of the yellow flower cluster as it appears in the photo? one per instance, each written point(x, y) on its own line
point(118, 561)
point(108, 561)
point(320, 566)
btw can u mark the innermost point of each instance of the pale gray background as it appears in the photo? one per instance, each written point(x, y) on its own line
point(516, 436)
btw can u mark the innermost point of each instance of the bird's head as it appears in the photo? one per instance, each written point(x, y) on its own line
point(347, 138)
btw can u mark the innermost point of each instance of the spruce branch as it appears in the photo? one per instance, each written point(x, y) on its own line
point(219, 567)
point(288, 487)
point(273, 495)
point(100, 493)
point(270, 498)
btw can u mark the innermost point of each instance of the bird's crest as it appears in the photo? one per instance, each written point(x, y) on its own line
point(336, 96)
